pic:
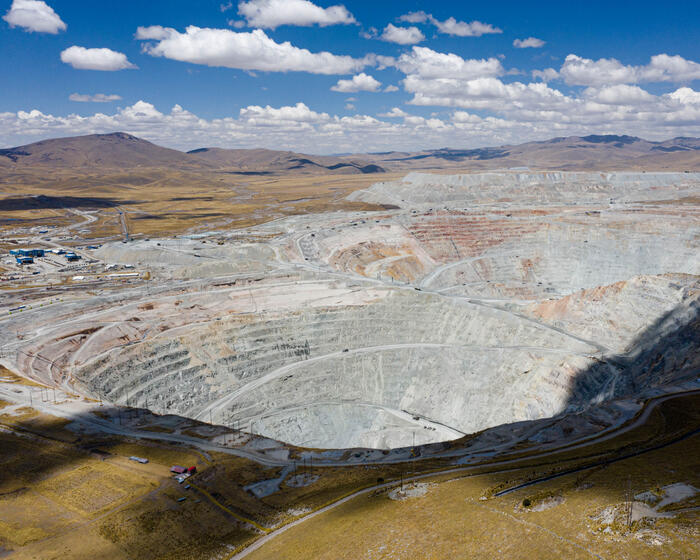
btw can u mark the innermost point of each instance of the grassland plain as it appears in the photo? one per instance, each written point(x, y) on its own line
point(64, 495)
point(452, 520)
point(166, 202)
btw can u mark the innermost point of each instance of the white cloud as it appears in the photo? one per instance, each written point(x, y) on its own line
point(685, 95)
point(584, 71)
point(390, 88)
point(451, 26)
point(609, 71)
point(402, 35)
point(464, 117)
point(252, 50)
point(97, 98)
point(522, 112)
point(620, 94)
point(530, 42)
point(426, 63)
point(34, 15)
point(370, 33)
point(395, 113)
point(485, 93)
point(415, 17)
point(295, 116)
point(95, 59)
point(270, 14)
point(546, 75)
point(360, 82)
point(665, 68)
point(349, 107)
point(462, 29)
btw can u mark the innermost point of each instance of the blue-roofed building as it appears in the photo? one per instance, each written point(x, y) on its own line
point(27, 252)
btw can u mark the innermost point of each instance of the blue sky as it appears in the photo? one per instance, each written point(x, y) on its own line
point(313, 76)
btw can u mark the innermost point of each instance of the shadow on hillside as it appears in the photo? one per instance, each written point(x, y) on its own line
point(667, 351)
point(42, 462)
point(42, 202)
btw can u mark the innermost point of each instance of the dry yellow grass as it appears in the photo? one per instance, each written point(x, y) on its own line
point(57, 501)
point(94, 487)
point(156, 453)
point(11, 377)
point(160, 202)
point(451, 521)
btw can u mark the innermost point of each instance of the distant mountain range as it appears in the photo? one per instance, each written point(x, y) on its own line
point(571, 153)
point(124, 151)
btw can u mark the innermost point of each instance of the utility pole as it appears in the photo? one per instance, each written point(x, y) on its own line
point(413, 452)
point(628, 505)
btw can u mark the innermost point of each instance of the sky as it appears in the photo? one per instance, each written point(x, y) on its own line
point(351, 77)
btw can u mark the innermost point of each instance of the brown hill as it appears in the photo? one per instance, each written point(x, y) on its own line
point(271, 161)
point(587, 153)
point(98, 151)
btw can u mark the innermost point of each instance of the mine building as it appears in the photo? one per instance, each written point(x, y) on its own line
point(27, 252)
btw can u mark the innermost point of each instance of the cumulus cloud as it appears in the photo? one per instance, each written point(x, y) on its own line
point(252, 50)
point(295, 116)
point(685, 95)
point(477, 85)
point(370, 33)
point(462, 29)
point(96, 98)
point(360, 82)
point(402, 35)
point(395, 113)
point(415, 17)
point(546, 75)
point(529, 43)
point(390, 88)
point(620, 94)
point(485, 93)
point(95, 59)
point(34, 15)
point(609, 71)
point(451, 26)
point(425, 63)
point(270, 14)
point(522, 113)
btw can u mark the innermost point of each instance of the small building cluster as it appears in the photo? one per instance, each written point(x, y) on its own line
point(26, 256)
point(182, 473)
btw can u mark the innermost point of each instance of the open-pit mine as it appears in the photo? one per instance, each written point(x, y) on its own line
point(472, 301)
point(440, 319)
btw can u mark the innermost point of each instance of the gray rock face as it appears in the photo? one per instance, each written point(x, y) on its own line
point(483, 300)
point(525, 188)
